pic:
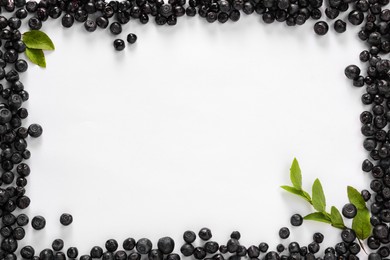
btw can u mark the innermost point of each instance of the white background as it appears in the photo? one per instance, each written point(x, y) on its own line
point(195, 125)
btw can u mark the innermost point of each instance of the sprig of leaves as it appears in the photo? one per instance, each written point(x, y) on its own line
point(317, 200)
point(36, 42)
point(361, 222)
point(296, 180)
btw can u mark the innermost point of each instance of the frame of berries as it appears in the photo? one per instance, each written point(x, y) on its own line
point(369, 208)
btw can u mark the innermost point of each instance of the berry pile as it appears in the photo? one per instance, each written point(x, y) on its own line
point(99, 14)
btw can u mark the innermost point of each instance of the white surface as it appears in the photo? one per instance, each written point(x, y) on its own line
point(192, 126)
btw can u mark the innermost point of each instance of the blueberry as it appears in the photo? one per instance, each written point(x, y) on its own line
point(144, 246)
point(284, 233)
point(35, 130)
point(352, 72)
point(280, 248)
point(112, 245)
point(72, 252)
point(321, 28)
point(128, 244)
point(211, 247)
point(313, 247)
point(27, 252)
point(22, 220)
point(340, 26)
point(187, 249)
point(318, 237)
point(189, 236)
point(67, 20)
point(349, 210)
point(348, 235)
point(131, 38)
point(119, 44)
point(46, 254)
point(116, 28)
point(57, 245)
point(199, 253)
point(166, 245)
point(121, 255)
point(232, 245)
point(205, 234)
point(253, 251)
point(296, 220)
point(66, 219)
point(38, 222)
point(102, 22)
point(90, 25)
point(96, 252)
point(235, 235)
point(263, 247)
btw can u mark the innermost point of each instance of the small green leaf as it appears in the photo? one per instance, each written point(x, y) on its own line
point(319, 202)
point(356, 198)
point(318, 216)
point(300, 193)
point(36, 56)
point(35, 39)
point(361, 224)
point(295, 175)
point(336, 218)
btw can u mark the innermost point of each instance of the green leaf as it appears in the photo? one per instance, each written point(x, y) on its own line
point(356, 198)
point(336, 218)
point(361, 224)
point(300, 193)
point(295, 175)
point(319, 202)
point(38, 40)
point(318, 216)
point(36, 56)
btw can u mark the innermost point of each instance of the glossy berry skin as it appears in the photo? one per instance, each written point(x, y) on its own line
point(205, 234)
point(232, 245)
point(38, 222)
point(111, 245)
point(131, 38)
point(90, 25)
point(119, 45)
point(296, 220)
point(318, 237)
point(189, 236)
point(166, 245)
point(348, 235)
point(21, 65)
point(66, 219)
point(253, 251)
point(352, 72)
point(35, 130)
point(321, 28)
point(72, 252)
point(57, 245)
point(349, 210)
point(128, 244)
point(187, 249)
point(115, 28)
point(340, 26)
point(67, 20)
point(235, 235)
point(96, 252)
point(144, 246)
point(27, 252)
point(102, 22)
point(284, 233)
point(199, 253)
